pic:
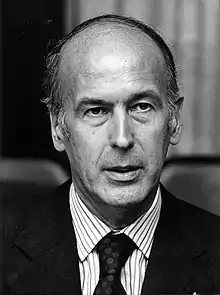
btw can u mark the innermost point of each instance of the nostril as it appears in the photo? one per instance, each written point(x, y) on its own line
point(123, 144)
point(123, 141)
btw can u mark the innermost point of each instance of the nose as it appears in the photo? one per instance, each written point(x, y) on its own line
point(121, 134)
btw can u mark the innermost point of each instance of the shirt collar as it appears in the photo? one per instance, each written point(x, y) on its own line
point(90, 229)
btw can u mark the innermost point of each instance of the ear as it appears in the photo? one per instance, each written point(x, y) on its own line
point(57, 136)
point(176, 127)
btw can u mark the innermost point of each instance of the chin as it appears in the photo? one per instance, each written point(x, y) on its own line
point(125, 197)
point(120, 202)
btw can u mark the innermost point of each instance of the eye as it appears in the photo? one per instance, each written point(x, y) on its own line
point(96, 112)
point(142, 107)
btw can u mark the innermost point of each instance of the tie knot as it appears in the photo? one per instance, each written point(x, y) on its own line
point(113, 251)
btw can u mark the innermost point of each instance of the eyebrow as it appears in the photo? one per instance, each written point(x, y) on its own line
point(85, 101)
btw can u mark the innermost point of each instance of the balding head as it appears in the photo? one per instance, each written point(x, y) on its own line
point(110, 36)
point(109, 52)
point(97, 42)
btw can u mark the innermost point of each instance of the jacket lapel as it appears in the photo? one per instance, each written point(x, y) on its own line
point(50, 246)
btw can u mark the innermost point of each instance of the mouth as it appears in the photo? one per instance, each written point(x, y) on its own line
point(123, 174)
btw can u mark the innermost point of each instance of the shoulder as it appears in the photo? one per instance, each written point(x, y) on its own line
point(32, 216)
point(184, 209)
point(31, 238)
point(193, 220)
point(33, 209)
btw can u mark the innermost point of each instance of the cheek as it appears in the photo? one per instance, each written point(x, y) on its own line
point(162, 139)
point(86, 146)
point(154, 135)
point(155, 140)
point(161, 131)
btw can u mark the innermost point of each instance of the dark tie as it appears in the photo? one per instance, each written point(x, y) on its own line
point(113, 251)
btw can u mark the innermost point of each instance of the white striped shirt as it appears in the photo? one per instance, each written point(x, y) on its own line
point(90, 230)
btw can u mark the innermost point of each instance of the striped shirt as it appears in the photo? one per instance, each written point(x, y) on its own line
point(90, 230)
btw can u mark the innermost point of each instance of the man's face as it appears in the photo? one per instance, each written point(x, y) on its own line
point(117, 117)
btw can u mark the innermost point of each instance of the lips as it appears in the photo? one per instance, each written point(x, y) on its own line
point(123, 174)
point(123, 169)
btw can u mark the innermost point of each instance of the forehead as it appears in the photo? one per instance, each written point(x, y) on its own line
point(104, 51)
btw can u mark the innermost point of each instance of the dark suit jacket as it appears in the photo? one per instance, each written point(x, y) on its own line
point(40, 254)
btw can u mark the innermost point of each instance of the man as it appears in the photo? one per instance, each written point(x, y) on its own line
point(113, 228)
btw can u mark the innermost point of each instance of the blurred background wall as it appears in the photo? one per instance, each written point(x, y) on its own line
point(27, 28)
point(191, 27)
